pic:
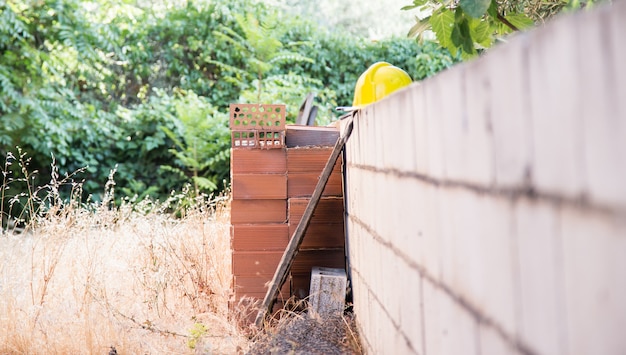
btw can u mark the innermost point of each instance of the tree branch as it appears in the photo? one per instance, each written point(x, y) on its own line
point(506, 22)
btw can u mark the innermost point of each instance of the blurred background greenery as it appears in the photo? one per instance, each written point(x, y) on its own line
point(143, 87)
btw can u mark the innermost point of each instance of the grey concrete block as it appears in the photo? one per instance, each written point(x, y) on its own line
point(328, 291)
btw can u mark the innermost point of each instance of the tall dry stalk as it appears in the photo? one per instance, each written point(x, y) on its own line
point(84, 278)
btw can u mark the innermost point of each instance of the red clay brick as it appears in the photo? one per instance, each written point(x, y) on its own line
point(320, 236)
point(259, 186)
point(258, 161)
point(300, 136)
point(306, 259)
point(303, 185)
point(255, 263)
point(255, 285)
point(310, 160)
point(258, 211)
point(329, 210)
point(248, 237)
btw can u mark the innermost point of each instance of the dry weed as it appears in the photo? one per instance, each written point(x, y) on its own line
point(83, 279)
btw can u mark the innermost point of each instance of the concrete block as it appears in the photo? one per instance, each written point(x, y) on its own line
point(381, 218)
point(419, 134)
point(435, 98)
point(408, 220)
point(468, 144)
point(617, 28)
point(477, 254)
point(353, 190)
point(541, 277)
point(510, 111)
point(390, 288)
point(435, 217)
point(406, 134)
point(491, 343)
point(449, 329)
point(367, 141)
point(556, 120)
point(327, 294)
point(604, 129)
point(409, 296)
point(379, 126)
point(594, 246)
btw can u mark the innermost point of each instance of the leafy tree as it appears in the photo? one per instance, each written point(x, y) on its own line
point(141, 87)
point(202, 147)
point(469, 26)
point(261, 46)
point(466, 26)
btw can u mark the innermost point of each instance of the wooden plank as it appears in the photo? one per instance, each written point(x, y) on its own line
point(259, 186)
point(267, 236)
point(292, 249)
point(302, 136)
point(258, 161)
point(258, 211)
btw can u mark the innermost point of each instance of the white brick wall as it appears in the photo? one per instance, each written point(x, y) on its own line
point(486, 206)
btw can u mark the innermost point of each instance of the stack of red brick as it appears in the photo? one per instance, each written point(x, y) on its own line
point(271, 189)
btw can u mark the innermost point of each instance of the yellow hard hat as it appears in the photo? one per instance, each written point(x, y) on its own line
point(378, 81)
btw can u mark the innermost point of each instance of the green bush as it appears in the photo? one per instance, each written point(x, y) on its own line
point(145, 92)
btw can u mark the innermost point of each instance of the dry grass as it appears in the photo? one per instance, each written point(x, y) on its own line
point(138, 278)
point(83, 279)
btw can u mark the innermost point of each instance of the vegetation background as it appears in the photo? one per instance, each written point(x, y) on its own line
point(143, 87)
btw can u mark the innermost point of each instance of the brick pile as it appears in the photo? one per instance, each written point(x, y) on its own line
point(271, 186)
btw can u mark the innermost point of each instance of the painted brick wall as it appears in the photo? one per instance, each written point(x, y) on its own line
point(486, 207)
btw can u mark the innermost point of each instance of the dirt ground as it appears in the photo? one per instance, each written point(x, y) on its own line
point(309, 334)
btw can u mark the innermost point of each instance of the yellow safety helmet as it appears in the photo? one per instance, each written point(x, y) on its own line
point(378, 81)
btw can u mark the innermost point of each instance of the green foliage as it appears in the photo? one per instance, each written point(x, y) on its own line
point(339, 59)
point(142, 90)
point(203, 146)
point(468, 26)
point(260, 43)
point(195, 333)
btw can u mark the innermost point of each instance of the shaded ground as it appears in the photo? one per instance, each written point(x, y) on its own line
point(305, 334)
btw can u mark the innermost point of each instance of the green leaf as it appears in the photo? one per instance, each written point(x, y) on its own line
point(419, 28)
point(461, 35)
point(519, 20)
point(442, 22)
point(204, 183)
point(481, 32)
point(475, 8)
point(493, 9)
